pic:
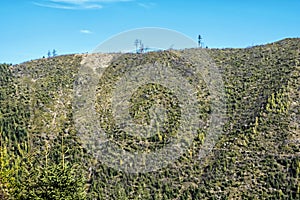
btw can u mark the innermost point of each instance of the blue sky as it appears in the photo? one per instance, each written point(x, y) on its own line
point(29, 28)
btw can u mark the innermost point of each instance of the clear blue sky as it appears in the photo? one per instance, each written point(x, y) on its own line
point(29, 28)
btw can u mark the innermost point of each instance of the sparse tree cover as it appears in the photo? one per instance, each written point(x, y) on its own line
point(41, 156)
point(54, 53)
point(139, 46)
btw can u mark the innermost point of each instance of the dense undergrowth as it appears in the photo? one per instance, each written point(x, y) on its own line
point(257, 157)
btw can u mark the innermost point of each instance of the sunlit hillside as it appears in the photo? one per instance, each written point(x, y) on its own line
point(257, 156)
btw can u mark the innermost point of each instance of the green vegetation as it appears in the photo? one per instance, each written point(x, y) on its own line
point(258, 157)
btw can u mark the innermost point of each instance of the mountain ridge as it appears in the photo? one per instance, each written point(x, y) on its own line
point(257, 157)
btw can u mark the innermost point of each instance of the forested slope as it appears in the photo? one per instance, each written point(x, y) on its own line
point(257, 157)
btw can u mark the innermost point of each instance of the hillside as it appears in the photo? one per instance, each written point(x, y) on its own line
point(256, 157)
